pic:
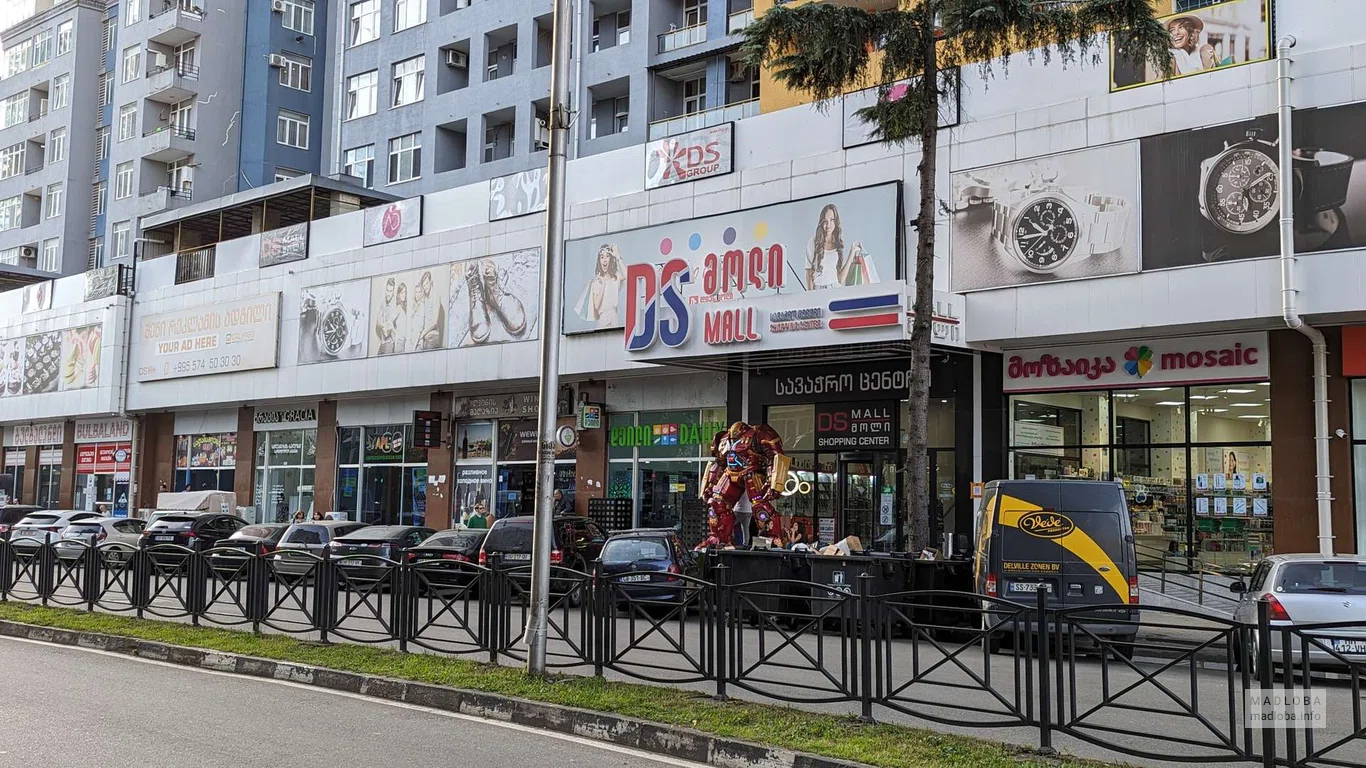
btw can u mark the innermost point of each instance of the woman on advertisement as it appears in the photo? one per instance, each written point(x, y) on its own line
point(600, 298)
point(827, 264)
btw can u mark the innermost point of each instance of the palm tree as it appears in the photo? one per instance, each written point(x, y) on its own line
point(826, 49)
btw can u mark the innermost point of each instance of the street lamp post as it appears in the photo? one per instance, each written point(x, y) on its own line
point(538, 618)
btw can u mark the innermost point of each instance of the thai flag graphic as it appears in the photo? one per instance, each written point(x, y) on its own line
point(865, 312)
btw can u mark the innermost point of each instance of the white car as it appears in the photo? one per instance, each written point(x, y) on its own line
point(40, 527)
point(117, 537)
point(1302, 590)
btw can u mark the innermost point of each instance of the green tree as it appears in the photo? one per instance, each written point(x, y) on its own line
point(826, 49)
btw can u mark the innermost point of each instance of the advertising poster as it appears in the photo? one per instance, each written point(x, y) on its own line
point(690, 156)
point(37, 297)
point(53, 361)
point(1216, 36)
point(206, 451)
point(844, 239)
point(103, 282)
point(857, 132)
point(473, 489)
point(42, 362)
point(398, 220)
point(517, 440)
point(495, 299)
point(407, 311)
point(334, 322)
point(12, 353)
point(474, 441)
point(1212, 194)
point(241, 335)
point(1051, 218)
point(518, 194)
point(384, 445)
point(281, 246)
point(81, 357)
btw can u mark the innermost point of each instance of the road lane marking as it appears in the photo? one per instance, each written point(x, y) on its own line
point(516, 727)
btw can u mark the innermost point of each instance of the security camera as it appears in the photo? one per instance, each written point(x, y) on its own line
point(1340, 433)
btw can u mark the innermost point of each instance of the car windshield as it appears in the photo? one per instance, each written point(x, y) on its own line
point(375, 533)
point(1341, 578)
point(509, 537)
point(82, 528)
point(174, 523)
point(306, 534)
point(631, 550)
point(39, 520)
point(255, 532)
point(462, 540)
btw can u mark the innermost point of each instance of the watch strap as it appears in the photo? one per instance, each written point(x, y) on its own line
point(1108, 224)
point(1323, 180)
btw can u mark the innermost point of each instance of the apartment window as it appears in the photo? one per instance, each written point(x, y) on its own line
point(96, 257)
point(405, 158)
point(106, 88)
point(122, 240)
point(17, 57)
point(128, 121)
point(296, 73)
point(102, 143)
point(359, 162)
point(61, 91)
point(596, 44)
point(64, 32)
point(364, 22)
point(107, 35)
point(409, 13)
point(56, 200)
point(48, 261)
point(408, 80)
point(132, 58)
point(291, 129)
point(180, 176)
point(298, 16)
point(15, 109)
point(621, 117)
point(11, 213)
point(694, 95)
point(56, 146)
point(623, 27)
point(362, 94)
point(12, 161)
point(11, 256)
point(185, 57)
point(97, 198)
point(132, 12)
point(42, 48)
point(123, 180)
point(694, 12)
point(285, 174)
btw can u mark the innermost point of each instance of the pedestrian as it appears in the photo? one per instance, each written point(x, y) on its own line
point(562, 505)
point(318, 515)
point(796, 538)
point(299, 516)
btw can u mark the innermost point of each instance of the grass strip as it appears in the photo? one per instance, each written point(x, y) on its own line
point(843, 737)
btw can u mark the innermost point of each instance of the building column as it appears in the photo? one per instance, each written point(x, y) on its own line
point(29, 493)
point(440, 465)
point(325, 462)
point(156, 458)
point(244, 474)
point(590, 472)
point(66, 496)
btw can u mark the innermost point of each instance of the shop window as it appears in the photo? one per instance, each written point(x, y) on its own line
point(796, 424)
point(392, 477)
point(206, 462)
point(1231, 413)
point(348, 445)
point(14, 470)
point(49, 476)
point(1233, 509)
point(285, 467)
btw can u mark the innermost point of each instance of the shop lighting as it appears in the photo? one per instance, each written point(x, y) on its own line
point(1218, 410)
point(1154, 389)
point(1249, 416)
point(1171, 402)
point(1204, 397)
point(1125, 394)
point(1239, 391)
point(1247, 405)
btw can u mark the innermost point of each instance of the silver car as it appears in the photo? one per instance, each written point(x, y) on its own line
point(117, 537)
point(40, 527)
point(304, 543)
point(1303, 590)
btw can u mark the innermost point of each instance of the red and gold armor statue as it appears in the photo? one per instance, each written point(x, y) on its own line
point(746, 461)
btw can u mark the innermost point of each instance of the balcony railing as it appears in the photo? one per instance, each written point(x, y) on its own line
point(194, 265)
point(188, 71)
point(737, 22)
point(683, 123)
point(177, 131)
point(184, 6)
point(682, 38)
point(33, 170)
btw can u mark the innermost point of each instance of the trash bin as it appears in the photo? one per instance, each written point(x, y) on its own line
point(785, 575)
point(837, 574)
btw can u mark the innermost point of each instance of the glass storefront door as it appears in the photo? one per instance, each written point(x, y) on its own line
point(870, 501)
point(516, 490)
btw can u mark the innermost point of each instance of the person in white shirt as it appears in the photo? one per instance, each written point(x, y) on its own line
point(384, 324)
point(1189, 55)
point(426, 315)
point(826, 264)
point(402, 321)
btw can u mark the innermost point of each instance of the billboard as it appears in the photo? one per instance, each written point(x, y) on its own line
point(51, 361)
point(283, 245)
point(518, 194)
point(838, 240)
point(856, 132)
point(398, 220)
point(408, 311)
point(241, 335)
point(690, 156)
point(37, 297)
point(334, 322)
point(495, 299)
point(1050, 218)
point(1206, 39)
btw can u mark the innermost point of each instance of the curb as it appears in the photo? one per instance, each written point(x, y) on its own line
point(670, 741)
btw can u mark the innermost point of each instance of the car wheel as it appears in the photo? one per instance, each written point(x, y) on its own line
point(1123, 647)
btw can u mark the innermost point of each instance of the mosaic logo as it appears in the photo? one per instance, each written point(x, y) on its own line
point(1138, 361)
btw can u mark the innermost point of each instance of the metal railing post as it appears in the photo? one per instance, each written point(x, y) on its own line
point(47, 566)
point(602, 609)
point(1045, 679)
point(722, 629)
point(258, 587)
point(403, 601)
point(325, 588)
point(91, 577)
point(1265, 676)
point(498, 602)
point(6, 569)
point(865, 627)
point(196, 584)
point(140, 575)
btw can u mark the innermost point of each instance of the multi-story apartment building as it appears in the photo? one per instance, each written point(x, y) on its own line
point(119, 110)
point(642, 69)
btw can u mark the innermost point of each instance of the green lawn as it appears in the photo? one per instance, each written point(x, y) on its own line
point(890, 746)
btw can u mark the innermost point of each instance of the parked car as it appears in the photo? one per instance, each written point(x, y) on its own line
point(446, 555)
point(1306, 589)
point(647, 563)
point(303, 543)
point(576, 542)
point(251, 540)
point(117, 537)
point(195, 531)
point(387, 541)
point(11, 514)
point(31, 532)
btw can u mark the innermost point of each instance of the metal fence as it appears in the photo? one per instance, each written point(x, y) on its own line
point(1020, 668)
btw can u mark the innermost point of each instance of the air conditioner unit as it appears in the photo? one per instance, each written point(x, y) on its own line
point(540, 135)
point(457, 59)
point(276, 60)
point(277, 6)
point(28, 252)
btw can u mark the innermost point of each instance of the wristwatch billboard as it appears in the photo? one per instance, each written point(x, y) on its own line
point(337, 327)
point(1240, 186)
point(1045, 225)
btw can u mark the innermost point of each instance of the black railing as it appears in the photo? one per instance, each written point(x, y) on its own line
point(198, 264)
point(190, 9)
point(1150, 683)
point(173, 130)
point(183, 70)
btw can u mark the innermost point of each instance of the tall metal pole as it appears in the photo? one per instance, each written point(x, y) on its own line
point(538, 618)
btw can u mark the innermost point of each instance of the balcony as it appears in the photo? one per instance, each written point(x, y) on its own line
point(172, 83)
point(164, 198)
point(168, 144)
point(673, 126)
point(682, 38)
point(175, 22)
point(736, 22)
point(194, 265)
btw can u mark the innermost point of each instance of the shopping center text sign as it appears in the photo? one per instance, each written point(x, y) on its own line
point(240, 335)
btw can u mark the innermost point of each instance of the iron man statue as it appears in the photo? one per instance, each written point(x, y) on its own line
point(746, 461)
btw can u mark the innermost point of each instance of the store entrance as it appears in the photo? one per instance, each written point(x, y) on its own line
point(869, 500)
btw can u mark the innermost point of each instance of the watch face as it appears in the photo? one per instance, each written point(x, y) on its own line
point(1240, 193)
point(1046, 233)
point(334, 330)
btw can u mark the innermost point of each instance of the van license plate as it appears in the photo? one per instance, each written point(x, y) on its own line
point(1030, 586)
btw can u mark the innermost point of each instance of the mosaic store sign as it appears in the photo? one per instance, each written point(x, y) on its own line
point(1232, 357)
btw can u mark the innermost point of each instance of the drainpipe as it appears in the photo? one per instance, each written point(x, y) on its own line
point(1289, 296)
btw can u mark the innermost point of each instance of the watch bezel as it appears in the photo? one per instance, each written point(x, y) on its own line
point(1018, 213)
point(1208, 208)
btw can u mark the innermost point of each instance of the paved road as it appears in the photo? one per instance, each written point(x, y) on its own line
point(64, 707)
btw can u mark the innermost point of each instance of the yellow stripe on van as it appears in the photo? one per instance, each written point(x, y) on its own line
point(1078, 542)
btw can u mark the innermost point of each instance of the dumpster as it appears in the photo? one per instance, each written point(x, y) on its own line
point(840, 574)
point(747, 566)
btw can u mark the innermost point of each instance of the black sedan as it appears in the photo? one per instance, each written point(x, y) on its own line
point(446, 558)
point(367, 554)
point(199, 532)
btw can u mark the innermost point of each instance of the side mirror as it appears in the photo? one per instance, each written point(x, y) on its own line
point(1237, 588)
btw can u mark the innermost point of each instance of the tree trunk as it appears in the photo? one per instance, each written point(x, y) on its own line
point(918, 481)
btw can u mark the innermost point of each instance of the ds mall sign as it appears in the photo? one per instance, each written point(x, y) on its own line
point(1230, 357)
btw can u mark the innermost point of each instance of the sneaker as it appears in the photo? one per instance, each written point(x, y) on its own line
point(507, 307)
point(479, 311)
